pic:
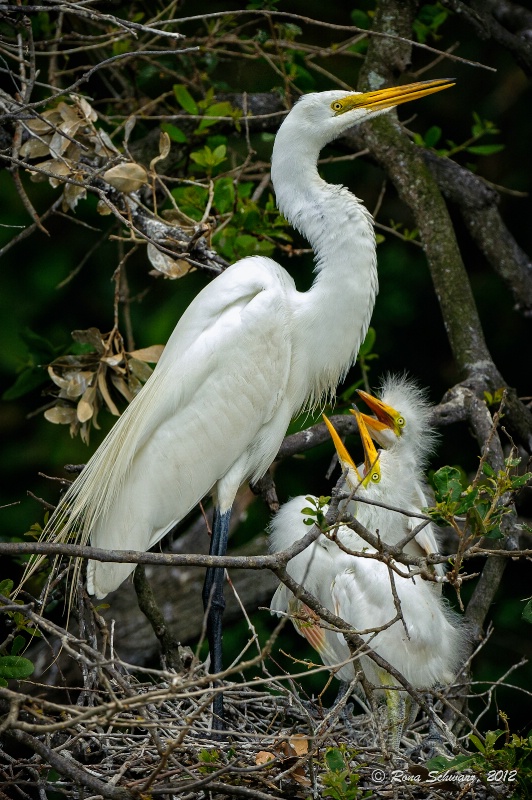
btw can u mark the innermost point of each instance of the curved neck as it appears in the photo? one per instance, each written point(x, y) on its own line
point(334, 315)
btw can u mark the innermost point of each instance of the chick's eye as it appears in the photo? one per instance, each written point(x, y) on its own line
point(401, 422)
point(336, 106)
point(375, 477)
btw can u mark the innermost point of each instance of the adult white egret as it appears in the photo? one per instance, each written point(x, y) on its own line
point(247, 354)
point(426, 645)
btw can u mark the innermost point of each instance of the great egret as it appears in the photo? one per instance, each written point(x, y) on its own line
point(248, 353)
point(426, 645)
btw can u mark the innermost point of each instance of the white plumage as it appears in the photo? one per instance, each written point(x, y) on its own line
point(428, 647)
point(249, 352)
point(401, 426)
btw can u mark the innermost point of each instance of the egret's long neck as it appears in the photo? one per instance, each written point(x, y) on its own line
point(334, 315)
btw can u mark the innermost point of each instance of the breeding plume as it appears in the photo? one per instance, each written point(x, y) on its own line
point(248, 353)
point(426, 645)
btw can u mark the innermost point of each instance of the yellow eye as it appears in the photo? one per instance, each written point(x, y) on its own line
point(401, 422)
point(336, 106)
point(375, 477)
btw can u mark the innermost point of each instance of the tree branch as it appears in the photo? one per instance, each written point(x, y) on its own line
point(406, 166)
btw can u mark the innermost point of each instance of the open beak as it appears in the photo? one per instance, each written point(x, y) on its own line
point(394, 95)
point(387, 417)
point(348, 465)
point(372, 469)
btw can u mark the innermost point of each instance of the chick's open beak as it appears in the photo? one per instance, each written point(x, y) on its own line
point(372, 469)
point(386, 415)
point(348, 465)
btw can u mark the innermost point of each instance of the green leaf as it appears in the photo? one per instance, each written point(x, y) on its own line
point(335, 760)
point(308, 510)
point(38, 345)
point(485, 149)
point(224, 195)
point(223, 109)
point(367, 345)
point(6, 587)
point(208, 158)
point(488, 470)
point(360, 19)
point(245, 245)
point(447, 484)
point(494, 533)
point(432, 136)
point(466, 501)
point(175, 133)
point(219, 153)
point(521, 480)
point(185, 99)
point(28, 380)
point(476, 741)
point(17, 645)
point(15, 667)
point(191, 200)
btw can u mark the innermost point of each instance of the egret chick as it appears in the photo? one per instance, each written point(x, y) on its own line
point(425, 641)
point(402, 427)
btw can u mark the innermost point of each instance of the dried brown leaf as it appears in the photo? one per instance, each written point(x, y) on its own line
point(86, 406)
point(150, 354)
point(103, 209)
point(299, 776)
point(134, 384)
point(300, 743)
point(40, 126)
point(34, 148)
point(84, 410)
point(68, 113)
point(91, 336)
point(78, 383)
point(86, 109)
point(61, 138)
point(263, 756)
point(164, 149)
point(58, 379)
point(127, 177)
point(72, 194)
point(171, 267)
point(120, 384)
point(60, 415)
point(104, 391)
point(140, 369)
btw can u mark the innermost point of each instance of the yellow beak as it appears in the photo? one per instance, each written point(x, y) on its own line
point(387, 416)
point(372, 468)
point(348, 465)
point(394, 95)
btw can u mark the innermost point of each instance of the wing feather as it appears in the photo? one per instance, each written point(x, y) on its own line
point(220, 381)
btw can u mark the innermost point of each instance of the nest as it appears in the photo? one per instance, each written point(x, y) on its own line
point(125, 732)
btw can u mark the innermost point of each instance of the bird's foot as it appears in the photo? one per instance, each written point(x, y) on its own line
point(344, 709)
point(432, 745)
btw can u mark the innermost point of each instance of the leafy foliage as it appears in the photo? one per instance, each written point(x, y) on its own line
point(339, 781)
point(509, 764)
point(316, 511)
point(13, 666)
point(483, 503)
point(479, 129)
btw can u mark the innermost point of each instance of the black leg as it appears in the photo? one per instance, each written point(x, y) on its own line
point(214, 604)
